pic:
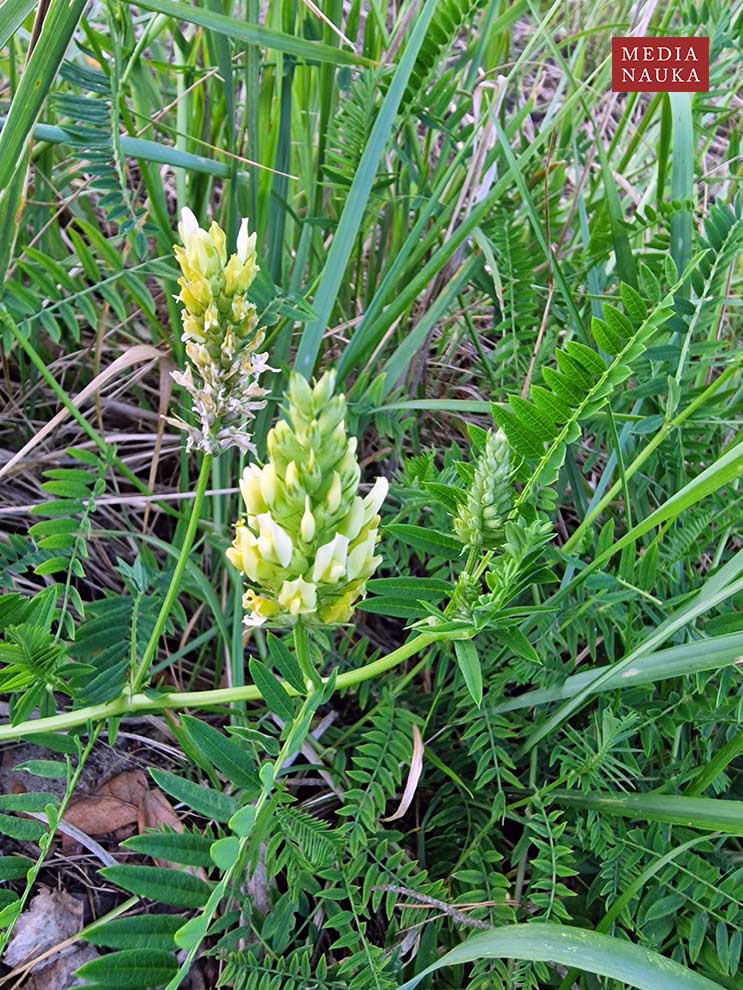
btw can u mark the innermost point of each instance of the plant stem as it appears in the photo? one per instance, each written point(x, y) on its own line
point(127, 705)
point(140, 674)
point(47, 840)
point(290, 745)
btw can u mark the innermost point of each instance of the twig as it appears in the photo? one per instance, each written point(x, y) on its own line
point(447, 909)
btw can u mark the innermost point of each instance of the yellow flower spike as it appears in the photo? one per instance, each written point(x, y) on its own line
point(221, 335)
point(306, 548)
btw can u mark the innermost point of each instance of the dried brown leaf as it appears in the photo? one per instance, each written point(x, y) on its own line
point(98, 815)
point(155, 810)
point(52, 917)
point(414, 775)
point(129, 786)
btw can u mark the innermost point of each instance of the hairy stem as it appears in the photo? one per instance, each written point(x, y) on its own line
point(221, 696)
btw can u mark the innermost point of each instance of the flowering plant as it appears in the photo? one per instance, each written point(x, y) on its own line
point(306, 544)
point(221, 334)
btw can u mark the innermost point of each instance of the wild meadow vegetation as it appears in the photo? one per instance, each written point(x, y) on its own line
point(371, 567)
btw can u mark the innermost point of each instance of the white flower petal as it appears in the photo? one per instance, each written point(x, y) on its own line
point(243, 241)
point(274, 541)
point(188, 226)
point(330, 560)
point(377, 495)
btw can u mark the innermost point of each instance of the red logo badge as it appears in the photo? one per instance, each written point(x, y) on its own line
point(660, 65)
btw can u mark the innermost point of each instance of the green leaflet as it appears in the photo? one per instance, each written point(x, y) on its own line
point(187, 847)
point(143, 931)
point(541, 427)
point(469, 665)
point(131, 968)
point(231, 759)
point(162, 885)
point(204, 800)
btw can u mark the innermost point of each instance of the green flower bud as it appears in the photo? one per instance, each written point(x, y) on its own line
point(306, 546)
point(482, 516)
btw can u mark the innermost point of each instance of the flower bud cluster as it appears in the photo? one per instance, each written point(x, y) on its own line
point(482, 515)
point(221, 335)
point(306, 545)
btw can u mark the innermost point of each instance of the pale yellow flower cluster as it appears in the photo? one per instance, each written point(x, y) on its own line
point(221, 335)
point(306, 545)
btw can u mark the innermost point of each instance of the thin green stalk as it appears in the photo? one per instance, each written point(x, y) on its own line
point(140, 675)
point(176, 700)
point(620, 465)
point(294, 739)
point(724, 756)
point(47, 840)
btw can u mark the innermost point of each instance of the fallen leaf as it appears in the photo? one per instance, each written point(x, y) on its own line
point(129, 786)
point(414, 774)
point(99, 815)
point(52, 917)
point(59, 975)
point(155, 810)
point(115, 805)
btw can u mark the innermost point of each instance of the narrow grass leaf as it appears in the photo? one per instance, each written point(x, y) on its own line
point(585, 950)
point(713, 814)
point(253, 34)
point(358, 197)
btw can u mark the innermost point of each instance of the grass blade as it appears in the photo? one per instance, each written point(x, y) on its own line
point(678, 661)
point(60, 22)
point(706, 599)
point(253, 34)
point(693, 812)
point(12, 14)
point(682, 177)
point(358, 197)
point(574, 947)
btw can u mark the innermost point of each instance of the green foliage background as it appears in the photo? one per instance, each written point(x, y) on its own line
point(454, 211)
